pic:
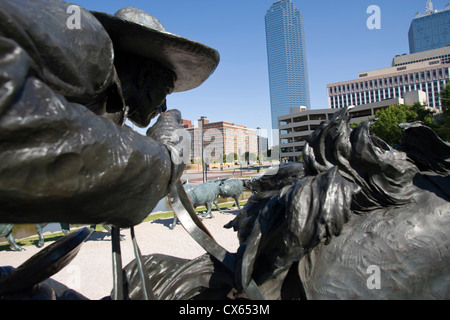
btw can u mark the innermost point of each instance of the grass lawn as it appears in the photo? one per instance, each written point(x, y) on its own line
point(32, 241)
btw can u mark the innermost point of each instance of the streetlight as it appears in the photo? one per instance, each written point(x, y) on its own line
point(204, 173)
point(259, 144)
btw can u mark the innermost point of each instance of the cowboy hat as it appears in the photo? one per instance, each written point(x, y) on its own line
point(137, 32)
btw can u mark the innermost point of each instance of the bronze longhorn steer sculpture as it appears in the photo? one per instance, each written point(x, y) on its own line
point(205, 194)
point(232, 188)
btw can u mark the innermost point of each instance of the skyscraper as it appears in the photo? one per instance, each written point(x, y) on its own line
point(286, 50)
point(430, 30)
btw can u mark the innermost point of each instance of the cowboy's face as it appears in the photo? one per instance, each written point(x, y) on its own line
point(145, 86)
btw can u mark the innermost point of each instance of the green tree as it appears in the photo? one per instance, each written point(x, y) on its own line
point(443, 124)
point(424, 114)
point(443, 129)
point(387, 127)
point(354, 125)
point(230, 158)
point(445, 99)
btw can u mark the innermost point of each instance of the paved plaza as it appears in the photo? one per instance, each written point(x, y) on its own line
point(90, 273)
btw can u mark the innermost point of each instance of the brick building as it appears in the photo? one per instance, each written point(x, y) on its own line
point(219, 139)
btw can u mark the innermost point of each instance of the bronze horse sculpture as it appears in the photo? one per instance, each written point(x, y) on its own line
point(363, 221)
point(361, 206)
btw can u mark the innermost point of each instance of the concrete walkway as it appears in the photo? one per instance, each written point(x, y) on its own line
point(90, 273)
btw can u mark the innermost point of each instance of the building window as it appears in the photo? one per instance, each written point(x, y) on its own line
point(300, 119)
point(363, 113)
point(317, 117)
point(301, 138)
point(287, 150)
point(301, 129)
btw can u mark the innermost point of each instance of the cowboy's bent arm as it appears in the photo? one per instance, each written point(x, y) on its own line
point(59, 162)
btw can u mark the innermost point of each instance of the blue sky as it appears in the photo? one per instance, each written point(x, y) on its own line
point(339, 46)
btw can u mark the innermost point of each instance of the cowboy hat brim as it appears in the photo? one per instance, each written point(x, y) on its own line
point(191, 61)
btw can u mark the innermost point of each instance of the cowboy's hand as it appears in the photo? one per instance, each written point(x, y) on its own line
point(168, 131)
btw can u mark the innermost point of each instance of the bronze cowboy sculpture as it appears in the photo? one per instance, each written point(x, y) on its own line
point(66, 154)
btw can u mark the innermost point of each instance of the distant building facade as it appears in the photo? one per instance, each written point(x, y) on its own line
point(286, 51)
point(217, 139)
point(299, 124)
point(430, 30)
point(426, 71)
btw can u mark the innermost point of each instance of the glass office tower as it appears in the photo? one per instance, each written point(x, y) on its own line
point(286, 50)
point(430, 30)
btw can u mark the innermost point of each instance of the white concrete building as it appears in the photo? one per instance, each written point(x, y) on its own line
point(427, 71)
point(299, 124)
